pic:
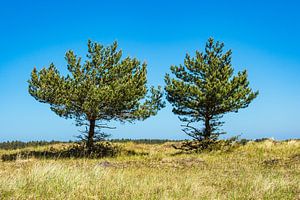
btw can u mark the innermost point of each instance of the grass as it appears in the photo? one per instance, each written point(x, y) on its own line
point(257, 170)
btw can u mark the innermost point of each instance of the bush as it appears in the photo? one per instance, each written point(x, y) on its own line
point(101, 149)
point(208, 145)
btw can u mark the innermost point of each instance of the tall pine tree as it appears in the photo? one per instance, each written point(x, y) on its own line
point(103, 88)
point(205, 88)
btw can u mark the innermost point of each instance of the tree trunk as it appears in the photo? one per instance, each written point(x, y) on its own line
point(90, 141)
point(207, 131)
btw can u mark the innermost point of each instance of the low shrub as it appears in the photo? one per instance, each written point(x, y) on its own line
point(208, 145)
point(79, 150)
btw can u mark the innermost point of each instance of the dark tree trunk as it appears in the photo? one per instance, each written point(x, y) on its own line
point(207, 131)
point(90, 140)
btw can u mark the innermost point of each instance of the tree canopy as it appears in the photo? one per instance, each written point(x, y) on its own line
point(205, 88)
point(102, 88)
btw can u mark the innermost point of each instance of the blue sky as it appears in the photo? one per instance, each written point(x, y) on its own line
point(264, 37)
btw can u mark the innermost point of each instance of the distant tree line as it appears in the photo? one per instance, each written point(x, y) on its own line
point(10, 145)
point(144, 141)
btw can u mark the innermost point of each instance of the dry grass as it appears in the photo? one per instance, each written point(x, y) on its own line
point(265, 170)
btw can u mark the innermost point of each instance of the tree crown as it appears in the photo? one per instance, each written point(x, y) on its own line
point(104, 87)
point(205, 88)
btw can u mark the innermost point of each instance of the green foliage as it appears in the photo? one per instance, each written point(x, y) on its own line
point(205, 89)
point(103, 88)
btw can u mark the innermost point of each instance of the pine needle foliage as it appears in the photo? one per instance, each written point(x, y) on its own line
point(104, 87)
point(205, 88)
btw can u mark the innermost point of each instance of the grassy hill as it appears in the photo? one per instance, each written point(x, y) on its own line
point(256, 170)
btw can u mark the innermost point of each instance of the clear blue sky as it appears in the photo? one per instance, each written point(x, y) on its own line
point(264, 37)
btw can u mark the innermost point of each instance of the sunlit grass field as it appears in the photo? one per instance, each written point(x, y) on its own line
point(257, 170)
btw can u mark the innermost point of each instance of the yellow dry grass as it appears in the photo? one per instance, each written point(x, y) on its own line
point(265, 170)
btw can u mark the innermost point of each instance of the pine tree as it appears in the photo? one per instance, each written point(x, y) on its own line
point(104, 87)
point(205, 89)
